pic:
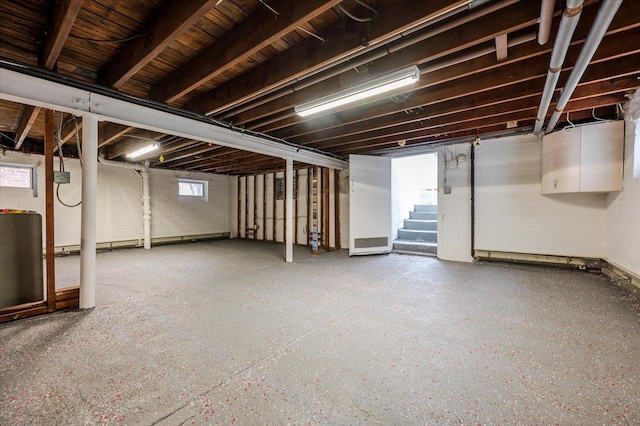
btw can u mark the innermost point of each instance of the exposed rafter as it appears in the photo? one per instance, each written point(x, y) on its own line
point(253, 34)
point(175, 17)
point(394, 17)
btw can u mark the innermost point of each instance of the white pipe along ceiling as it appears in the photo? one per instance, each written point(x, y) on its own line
point(601, 24)
point(568, 23)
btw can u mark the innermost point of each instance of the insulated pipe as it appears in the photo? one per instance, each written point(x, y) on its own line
point(289, 208)
point(143, 168)
point(600, 25)
point(88, 222)
point(546, 18)
point(568, 23)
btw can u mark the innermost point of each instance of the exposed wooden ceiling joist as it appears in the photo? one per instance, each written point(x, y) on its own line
point(257, 32)
point(172, 20)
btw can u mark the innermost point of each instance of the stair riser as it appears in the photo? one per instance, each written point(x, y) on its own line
point(423, 215)
point(433, 250)
point(420, 225)
point(430, 237)
point(424, 208)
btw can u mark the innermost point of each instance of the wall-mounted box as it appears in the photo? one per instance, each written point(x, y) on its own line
point(585, 159)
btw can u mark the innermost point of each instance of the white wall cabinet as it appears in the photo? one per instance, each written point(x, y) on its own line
point(585, 159)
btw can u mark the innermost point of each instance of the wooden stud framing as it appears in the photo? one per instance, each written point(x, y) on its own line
point(326, 210)
point(49, 143)
point(29, 116)
point(264, 207)
point(255, 206)
point(284, 206)
point(309, 172)
point(336, 210)
point(239, 206)
point(246, 206)
point(296, 194)
point(273, 197)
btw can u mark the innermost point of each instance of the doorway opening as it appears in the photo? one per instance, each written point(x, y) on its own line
point(414, 211)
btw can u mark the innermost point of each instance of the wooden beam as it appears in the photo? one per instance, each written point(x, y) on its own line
point(309, 172)
point(110, 132)
point(63, 17)
point(246, 207)
point(501, 47)
point(172, 20)
point(336, 210)
point(256, 32)
point(293, 63)
point(264, 207)
point(529, 51)
point(49, 143)
point(526, 115)
point(478, 77)
point(255, 205)
point(326, 210)
point(239, 224)
point(29, 116)
point(432, 48)
point(273, 199)
point(296, 195)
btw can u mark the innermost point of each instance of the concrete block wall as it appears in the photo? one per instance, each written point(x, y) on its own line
point(119, 203)
point(623, 209)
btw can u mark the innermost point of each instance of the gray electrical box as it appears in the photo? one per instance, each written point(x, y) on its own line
point(447, 190)
point(61, 177)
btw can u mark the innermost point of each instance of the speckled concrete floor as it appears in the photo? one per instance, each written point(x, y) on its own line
point(225, 332)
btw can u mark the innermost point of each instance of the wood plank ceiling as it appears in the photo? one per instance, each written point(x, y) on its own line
point(250, 62)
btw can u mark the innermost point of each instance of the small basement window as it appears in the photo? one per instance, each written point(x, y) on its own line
point(193, 190)
point(19, 176)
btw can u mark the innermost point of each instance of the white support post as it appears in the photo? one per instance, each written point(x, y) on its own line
point(146, 206)
point(89, 216)
point(289, 218)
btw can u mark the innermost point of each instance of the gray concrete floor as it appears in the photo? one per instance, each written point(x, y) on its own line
point(226, 332)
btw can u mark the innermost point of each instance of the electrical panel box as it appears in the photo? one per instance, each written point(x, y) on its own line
point(61, 177)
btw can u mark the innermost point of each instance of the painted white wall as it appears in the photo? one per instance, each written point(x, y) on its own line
point(454, 209)
point(410, 175)
point(623, 212)
point(513, 216)
point(119, 203)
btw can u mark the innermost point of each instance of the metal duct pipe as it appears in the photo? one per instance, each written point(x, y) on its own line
point(568, 24)
point(143, 168)
point(546, 18)
point(600, 25)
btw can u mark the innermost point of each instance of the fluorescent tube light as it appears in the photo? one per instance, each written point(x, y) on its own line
point(144, 150)
point(374, 87)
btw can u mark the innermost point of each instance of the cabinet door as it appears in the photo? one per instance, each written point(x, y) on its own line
point(561, 162)
point(601, 157)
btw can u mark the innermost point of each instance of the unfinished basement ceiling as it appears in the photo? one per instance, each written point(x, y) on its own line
point(248, 63)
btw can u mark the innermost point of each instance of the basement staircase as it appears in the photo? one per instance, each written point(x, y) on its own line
point(420, 233)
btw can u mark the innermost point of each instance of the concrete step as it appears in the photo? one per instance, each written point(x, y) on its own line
point(423, 215)
point(415, 247)
point(424, 225)
point(425, 208)
point(417, 235)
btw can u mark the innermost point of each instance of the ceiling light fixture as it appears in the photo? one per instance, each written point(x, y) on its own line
point(374, 87)
point(144, 150)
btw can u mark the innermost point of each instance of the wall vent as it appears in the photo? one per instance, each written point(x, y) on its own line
point(371, 242)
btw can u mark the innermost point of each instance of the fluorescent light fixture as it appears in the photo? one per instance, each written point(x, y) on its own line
point(144, 150)
point(374, 87)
